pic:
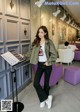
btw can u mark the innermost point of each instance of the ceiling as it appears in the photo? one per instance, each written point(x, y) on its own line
point(74, 10)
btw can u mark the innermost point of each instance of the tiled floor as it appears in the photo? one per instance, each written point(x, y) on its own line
point(66, 97)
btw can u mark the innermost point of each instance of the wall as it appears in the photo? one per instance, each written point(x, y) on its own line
point(13, 23)
point(43, 16)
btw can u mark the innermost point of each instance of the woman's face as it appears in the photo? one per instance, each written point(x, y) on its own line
point(41, 33)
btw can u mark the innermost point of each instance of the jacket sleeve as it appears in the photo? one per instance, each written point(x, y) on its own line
point(32, 55)
point(52, 53)
point(28, 55)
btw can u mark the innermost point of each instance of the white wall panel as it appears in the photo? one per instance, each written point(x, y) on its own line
point(1, 9)
point(12, 11)
point(25, 9)
point(12, 30)
point(1, 29)
point(25, 27)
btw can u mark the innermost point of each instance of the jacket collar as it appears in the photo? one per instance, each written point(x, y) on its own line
point(46, 41)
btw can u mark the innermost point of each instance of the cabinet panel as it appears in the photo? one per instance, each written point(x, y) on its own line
point(25, 9)
point(12, 30)
point(3, 87)
point(25, 73)
point(25, 48)
point(25, 30)
point(1, 29)
point(1, 10)
point(13, 47)
point(12, 8)
point(18, 74)
point(2, 65)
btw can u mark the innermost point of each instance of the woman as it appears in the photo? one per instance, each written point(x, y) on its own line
point(44, 54)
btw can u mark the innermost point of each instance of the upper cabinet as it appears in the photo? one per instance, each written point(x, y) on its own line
point(25, 9)
point(12, 7)
point(1, 7)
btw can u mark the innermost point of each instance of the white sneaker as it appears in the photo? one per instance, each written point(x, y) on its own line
point(49, 101)
point(42, 104)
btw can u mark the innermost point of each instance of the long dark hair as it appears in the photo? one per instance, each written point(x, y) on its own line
point(37, 39)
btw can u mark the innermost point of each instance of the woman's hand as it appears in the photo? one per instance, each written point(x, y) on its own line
point(46, 63)
point(21, 55)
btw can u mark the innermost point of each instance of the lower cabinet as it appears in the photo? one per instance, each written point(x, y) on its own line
point(23, 74)
point(9, 80)
point(26, 73)
point(3, 86)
